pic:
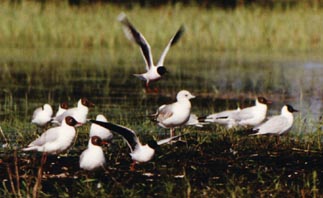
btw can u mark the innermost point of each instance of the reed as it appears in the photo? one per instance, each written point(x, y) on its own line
point(57, 25)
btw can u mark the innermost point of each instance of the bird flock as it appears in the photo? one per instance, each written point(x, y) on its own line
point(62, 134)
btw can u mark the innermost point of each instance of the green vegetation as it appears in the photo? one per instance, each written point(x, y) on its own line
point(31, 25)
point(59, 53)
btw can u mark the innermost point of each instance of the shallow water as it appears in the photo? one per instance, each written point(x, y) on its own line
point(220, 81)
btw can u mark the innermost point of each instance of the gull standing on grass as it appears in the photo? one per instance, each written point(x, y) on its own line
point(175, 114)
point(254, 115)
point(79, 113)
point(225, 118)
point(278, 124)
point(93, 157)
point(97, 130)
point(139, 152)
point(42, 115)
point(55, 140)
point(153, 72)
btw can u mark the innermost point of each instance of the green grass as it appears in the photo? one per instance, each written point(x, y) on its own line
point(29, 25)
point(46, 60)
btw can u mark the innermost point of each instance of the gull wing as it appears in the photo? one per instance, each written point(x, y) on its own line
point(164, 112)
point(166, 140)
point(137, 37)
point(128, 134)
point(172, 42)
point(48, 136)
point(274, 125)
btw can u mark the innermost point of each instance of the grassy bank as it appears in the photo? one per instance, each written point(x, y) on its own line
point(59, 25)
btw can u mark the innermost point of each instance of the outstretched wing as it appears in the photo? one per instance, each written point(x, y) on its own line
point(164, 141)
point(128, 134)
point(172, 42)
point(137, 37)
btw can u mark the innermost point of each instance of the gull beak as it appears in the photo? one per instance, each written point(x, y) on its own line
point(78, 124)
point(104, 142)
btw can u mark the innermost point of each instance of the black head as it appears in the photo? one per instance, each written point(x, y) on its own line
point(152, 144)
point(70, 121)
point(263, 100)
point(86, 102)
point(161, 70)
point(64, 105)
point(96, 140)
point(291, 109)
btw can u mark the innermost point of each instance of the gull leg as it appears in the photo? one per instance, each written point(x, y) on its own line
point(132, 166)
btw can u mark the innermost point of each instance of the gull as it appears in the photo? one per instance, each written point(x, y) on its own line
point(61, 109)
point(278, 124)
point(153, 72)
point(55, 140)
point(93, 157)
point(252, 116)
point(79, 113)
point(97, 130)
point(42, 115)
point(175, 114)
point(139, 152)
point(224, 118)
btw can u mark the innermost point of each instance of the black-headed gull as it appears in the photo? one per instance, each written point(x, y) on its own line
point(278, 124)
point(153, 72)
point(139, 152)
point(55, 140)
point(175, 114)
point(79, 113)
point(254, 115)
point(93, 157)
point(97, 130)
point(225, 118)
point(42, 115)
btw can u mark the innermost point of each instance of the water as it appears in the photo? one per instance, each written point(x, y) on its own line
point(220, 81)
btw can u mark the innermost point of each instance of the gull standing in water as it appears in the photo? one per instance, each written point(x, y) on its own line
point(175, 114)
point(153, 72)
point(278, 124)
point(93, 157)
point(139, 152)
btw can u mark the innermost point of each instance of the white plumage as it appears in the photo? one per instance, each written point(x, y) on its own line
point(93, 157)
point(55, 140)
point(42, 115)
point(153, 72)
point(79, 113)
point(97, 130)
point(278, 124)
point(175, 114)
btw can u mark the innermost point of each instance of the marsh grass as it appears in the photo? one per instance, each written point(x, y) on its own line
point(57, 25)
point(88, 55)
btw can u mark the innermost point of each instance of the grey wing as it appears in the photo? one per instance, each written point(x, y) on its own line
point(274, 125)
point(134, 35)
point(164, 112)
point(172, 42)
point(244, 114)
point(48, 136)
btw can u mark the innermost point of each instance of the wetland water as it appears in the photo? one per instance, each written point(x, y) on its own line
point(220, 81)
